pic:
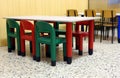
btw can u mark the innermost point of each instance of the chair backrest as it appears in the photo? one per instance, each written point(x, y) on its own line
point(90, 13)
point(108, 16)
point(108, 13)
point(26, 25)
point(72, 12)
point(12, 23)
point(44, 27)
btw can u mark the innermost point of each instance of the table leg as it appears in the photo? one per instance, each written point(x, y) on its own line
point(118, 29)
point(69, 42)
point(91, 37)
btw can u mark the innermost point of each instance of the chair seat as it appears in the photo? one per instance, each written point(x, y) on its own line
point(97, 23)
point(12, 34)
point(62, 32)
point(80, 33)
point(27, 37)
point(109, 25)
point(47, 40)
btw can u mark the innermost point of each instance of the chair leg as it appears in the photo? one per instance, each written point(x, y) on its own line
point(53, 54)
point(9, 50)
point(64, 52)
point(23, 48)
point(37, 52)
point(47, 51)
point(105, 35)
point(9, 44)
point(80, 45)
point(77, 42)
point(86, 31)
point(12, 39)
point(108, 33)
point(18, 45)
point(13, 43)
point(112, 33)
point(33, 49)
point(101, 33)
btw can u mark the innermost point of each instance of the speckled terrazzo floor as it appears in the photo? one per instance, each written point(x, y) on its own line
point(104, 63)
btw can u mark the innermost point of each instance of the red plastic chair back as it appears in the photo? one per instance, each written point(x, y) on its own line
point(26, 25)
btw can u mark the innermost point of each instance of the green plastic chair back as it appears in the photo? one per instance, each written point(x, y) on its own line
point(11, 26)
point(44, 27)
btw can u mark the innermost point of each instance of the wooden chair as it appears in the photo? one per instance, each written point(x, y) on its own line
point(108, 22)
point(92, 13)
point(69, 12)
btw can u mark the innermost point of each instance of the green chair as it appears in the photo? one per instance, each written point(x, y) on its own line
point(11, 26)
point(52, 40)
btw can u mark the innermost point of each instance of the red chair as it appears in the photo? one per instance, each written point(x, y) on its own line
point(79, 35)
point(26, 25)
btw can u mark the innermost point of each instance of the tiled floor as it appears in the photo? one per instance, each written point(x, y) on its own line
point(104, 63)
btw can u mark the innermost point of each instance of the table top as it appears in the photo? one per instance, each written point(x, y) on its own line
point(53, 18)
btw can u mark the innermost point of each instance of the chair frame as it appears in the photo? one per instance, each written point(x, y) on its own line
point(12, 34)
point(44, 27)
point(26, 25)
point(108, 14)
